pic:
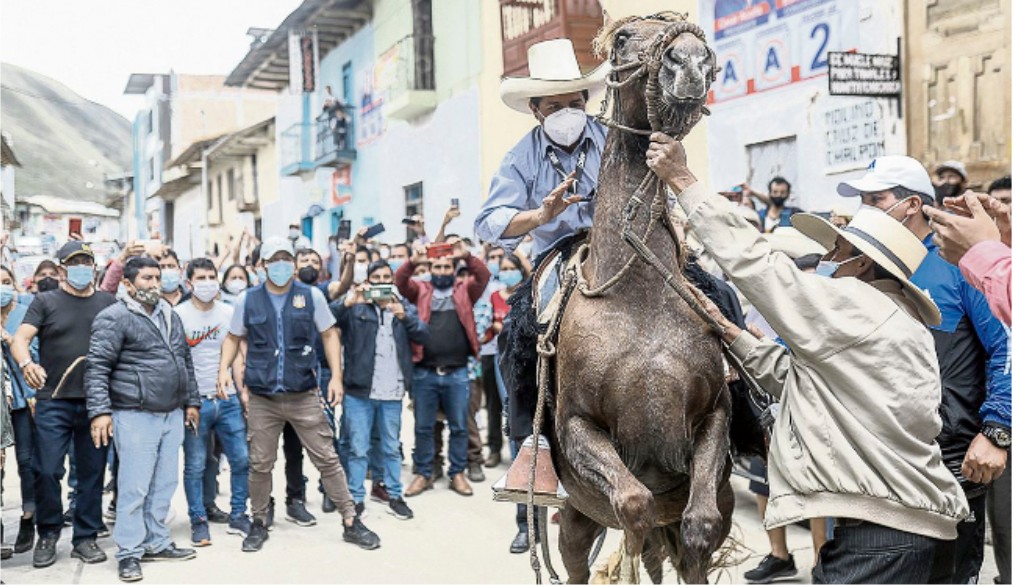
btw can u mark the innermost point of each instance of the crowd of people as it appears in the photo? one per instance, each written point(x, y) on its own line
point(892, 375)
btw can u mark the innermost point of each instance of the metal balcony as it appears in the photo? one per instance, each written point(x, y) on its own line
point(335, 140)
point(411, 93)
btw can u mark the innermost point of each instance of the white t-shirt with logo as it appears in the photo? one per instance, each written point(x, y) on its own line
point(205, 331)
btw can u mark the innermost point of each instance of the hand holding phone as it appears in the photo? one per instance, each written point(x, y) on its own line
point(373, 231)
point(345, 230)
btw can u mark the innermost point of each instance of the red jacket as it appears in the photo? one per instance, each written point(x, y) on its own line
point(464, 296)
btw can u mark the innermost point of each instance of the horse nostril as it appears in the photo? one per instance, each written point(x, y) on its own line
point(673, 57)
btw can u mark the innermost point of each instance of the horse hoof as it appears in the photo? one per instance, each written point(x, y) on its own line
point(700, 533)
point(635, 511)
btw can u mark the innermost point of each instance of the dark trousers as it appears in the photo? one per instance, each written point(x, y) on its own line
point(968, 548)
point(292, 449)
point(24, 445)
point(58, 424)
point(871, 553)
point(495, 439)
point(1000, 512)
point(210, 479)
point(474, 454)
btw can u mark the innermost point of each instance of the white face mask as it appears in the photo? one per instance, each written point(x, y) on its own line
point(206, 290)
point(359, 272)
point(565, 126)
point(236, 286)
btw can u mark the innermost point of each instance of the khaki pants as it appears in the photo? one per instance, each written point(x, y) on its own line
point(302, 410)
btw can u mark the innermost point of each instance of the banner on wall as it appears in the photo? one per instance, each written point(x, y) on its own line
point(342, 186)
point(767, 44)
point(375, 85)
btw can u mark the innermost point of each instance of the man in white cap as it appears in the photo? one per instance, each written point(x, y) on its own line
point(854, 438)
point(972, 347)
point(950, 180)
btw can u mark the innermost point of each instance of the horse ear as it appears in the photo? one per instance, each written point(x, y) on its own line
point(607, 20)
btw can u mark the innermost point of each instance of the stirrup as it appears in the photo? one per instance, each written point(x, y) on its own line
point(513, 487)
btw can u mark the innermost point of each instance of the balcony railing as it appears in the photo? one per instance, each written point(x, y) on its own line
point(335, 139)
point(411, 91)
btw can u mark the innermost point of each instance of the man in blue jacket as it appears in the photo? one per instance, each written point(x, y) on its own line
point(378, 372)
point(972, 347)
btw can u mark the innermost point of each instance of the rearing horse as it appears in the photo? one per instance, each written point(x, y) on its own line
point(642, 411)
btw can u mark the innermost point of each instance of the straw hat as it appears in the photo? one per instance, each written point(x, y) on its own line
point(883, 239)
point(553, 70)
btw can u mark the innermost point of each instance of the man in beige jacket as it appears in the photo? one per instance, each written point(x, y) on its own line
point(858, 382)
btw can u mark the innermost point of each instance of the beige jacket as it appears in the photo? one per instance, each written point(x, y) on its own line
point(859, 388)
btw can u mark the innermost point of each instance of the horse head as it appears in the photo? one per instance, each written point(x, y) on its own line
point(662, 69)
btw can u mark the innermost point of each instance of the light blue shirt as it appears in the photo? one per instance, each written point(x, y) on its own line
point(527, 176)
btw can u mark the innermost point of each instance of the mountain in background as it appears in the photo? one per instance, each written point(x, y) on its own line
point(63, 141)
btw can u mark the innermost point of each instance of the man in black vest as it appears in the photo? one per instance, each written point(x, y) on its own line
point(280, 320)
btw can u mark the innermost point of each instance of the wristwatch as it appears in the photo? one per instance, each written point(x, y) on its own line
point(999, 436)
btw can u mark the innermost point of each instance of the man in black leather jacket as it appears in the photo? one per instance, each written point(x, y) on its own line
point(139, 382)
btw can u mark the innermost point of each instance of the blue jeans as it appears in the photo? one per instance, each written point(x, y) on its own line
point(225, 419)
point(375, 456)
point(148, 445)
point(450, 393)
point(365, 416)
point(59, 424)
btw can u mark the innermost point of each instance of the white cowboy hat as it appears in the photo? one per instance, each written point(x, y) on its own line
point(883, 239)
point(553, 70)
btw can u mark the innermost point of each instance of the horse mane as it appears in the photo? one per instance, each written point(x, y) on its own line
point(604, 39)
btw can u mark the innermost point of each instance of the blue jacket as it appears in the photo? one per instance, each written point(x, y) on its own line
point(973, 350)
point(293, 368)
point(21, 391)
point(359, 325)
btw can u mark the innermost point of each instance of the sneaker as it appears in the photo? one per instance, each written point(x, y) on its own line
point(104, 531)
point(296, 512)
point(89, 552)
point(129, 570)
point(327, 505)
point(45, 552)
point(256, 537)
point(379, 492)
point(26, 535)
point(772, 568)
point(6, 552)
point(360, 535)
point(170, 553)
point(215, 515)
point(110, 513)
point(199, 535)
point(399, 509)
point(239, 525)
point(361, 510)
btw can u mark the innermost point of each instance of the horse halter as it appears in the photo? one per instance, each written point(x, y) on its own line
point(648, 65)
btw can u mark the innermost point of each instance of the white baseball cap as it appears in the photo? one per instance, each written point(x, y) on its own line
point(274, 245)
point(952, 165)
point(886, 172)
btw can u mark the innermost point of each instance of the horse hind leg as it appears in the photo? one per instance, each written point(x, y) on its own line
point(702, 524)
point(593, 457)
point(575, 542)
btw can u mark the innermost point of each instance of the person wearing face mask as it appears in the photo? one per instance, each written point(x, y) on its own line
point(857, 382)
point(172, 279)
point(299, 241)
point(950, 180)
point(280, 320)
point(972, 347)
point(206, 323)
point(46, 277)
point(235, 281)
point(141, 393)
point(440, 378)
point(776, 212)
point(360, 263)
point(13, 309)
point(62, 319)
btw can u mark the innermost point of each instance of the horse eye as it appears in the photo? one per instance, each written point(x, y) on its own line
point(621, 40)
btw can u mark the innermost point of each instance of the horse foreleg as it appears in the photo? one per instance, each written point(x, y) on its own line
point(594, 458)
point(702, 524)
point(578, 532)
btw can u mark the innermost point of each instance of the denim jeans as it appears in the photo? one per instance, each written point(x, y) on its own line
point(375, 456)
point(24, 444)
point(59, 424)
point(450, 393)
point(148, 445)
point(224, 418)
point(364, 417)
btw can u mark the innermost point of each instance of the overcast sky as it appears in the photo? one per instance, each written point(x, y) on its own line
point(92, 46)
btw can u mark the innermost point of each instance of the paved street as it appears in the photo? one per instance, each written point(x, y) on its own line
point(452, 540)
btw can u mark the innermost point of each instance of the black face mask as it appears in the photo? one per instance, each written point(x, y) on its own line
point(47, 284)
point(308, 275)
point(946, 190)
point(778, 201)
point(443, 282)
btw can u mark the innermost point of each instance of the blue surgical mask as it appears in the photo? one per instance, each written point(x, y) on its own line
point(510, 278)
point(262, 275)
point(828, 268)
point(6, 295)
point(80, 276)
point(170, 279)
point(422, 277)
point(281, 272)
point(494, 267)
point(396, 264)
